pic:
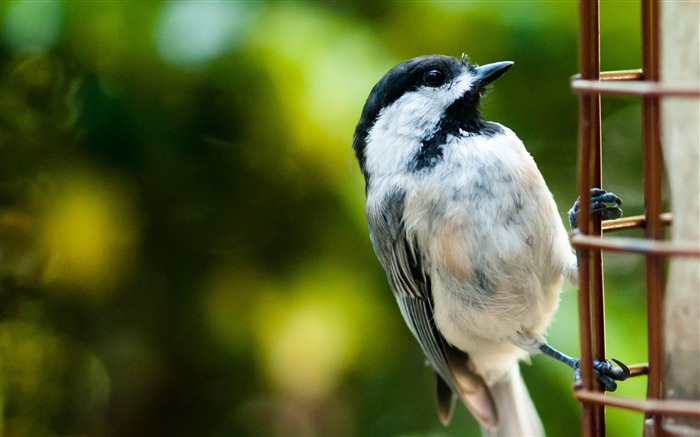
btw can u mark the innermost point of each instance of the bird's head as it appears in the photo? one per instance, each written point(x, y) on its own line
point(417, 101)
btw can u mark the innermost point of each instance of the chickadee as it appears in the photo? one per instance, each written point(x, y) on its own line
point(468, 234)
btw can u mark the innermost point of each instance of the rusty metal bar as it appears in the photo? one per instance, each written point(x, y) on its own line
point(639, 369)
point(638, 221)
point(650, 407)
point(634, 245)
point(618, 75)
point(653, 171)
point(590, 260)
point(623, 87)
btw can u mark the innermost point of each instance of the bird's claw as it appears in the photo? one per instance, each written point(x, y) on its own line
point(606, 373)
point(619, 373)
point(604, 203)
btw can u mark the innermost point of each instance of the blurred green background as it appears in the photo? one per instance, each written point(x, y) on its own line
point(184, 248)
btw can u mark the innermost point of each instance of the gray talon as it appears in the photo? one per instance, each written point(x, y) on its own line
point(606, 373)
point(600, 200)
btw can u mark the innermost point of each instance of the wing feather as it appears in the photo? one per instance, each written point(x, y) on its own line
point(410, 281)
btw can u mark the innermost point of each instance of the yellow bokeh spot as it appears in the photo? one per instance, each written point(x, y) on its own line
point(308, 353)
point(314, 332)
point(88, 233)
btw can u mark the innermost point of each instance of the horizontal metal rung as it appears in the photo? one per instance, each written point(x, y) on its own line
point(633, 88)
point(634, 245)
point(667, 407)
point(637, 221)
point(619, 75)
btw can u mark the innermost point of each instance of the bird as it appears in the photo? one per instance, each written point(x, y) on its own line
point(469, 236)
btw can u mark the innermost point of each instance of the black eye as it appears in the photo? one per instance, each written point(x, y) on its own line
point(434, 77)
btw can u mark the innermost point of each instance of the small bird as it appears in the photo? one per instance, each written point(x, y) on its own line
point(469, 236)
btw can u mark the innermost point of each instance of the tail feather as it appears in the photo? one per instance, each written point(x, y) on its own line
point(445, 401)
point(469, 387)
point(503, 409)
point(516, 412)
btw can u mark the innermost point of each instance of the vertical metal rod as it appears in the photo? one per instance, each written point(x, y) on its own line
point(653, 169)
point(591, 307)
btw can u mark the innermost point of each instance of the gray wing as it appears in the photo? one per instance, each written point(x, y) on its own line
point(410, 282)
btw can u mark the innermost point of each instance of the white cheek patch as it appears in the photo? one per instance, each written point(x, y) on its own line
point(396, 136)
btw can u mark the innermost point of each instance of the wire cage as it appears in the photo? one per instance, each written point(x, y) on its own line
point(590, 84)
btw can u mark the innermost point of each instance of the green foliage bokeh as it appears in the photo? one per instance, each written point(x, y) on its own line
point(184, 249)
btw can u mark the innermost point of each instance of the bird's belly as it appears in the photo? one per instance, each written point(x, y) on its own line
point(493, 244)
point(489, 282)
point(481, 315)
point(492, 299)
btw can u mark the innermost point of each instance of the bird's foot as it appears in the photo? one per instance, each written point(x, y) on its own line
point(604, 203)
point(605, 372)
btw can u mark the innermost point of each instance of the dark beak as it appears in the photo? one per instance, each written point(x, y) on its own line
point(490, 72)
